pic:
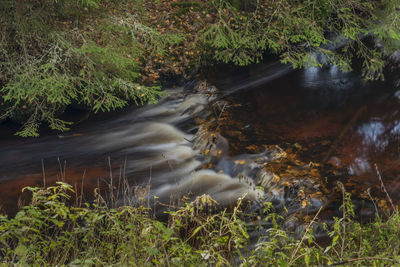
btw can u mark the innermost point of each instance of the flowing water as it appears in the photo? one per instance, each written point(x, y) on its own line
point(154, 145)
point(295, 133)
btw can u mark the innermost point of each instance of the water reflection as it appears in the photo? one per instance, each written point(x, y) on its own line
point(376, 142)
point(328, 77)
point(373, 135)
point(360, 166)
point(336, 116)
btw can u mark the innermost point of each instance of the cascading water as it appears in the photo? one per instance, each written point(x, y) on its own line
point(147, 143)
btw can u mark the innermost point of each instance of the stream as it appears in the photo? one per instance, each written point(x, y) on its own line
point(296, 134)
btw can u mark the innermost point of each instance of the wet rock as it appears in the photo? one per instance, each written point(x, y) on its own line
point(315, 205)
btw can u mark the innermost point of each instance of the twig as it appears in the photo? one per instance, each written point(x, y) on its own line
point(304, 236)
point(82, 184)
point(44, 175)
point(111, 184)
point(384, 188)
point(368, 191)
point(76, 194)
point(62, 169)
point(344, 218)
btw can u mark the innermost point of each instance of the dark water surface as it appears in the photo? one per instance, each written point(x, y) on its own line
point(336, 119)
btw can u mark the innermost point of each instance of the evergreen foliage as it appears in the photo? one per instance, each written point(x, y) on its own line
point(48, 66)
point(338, 31)
point(106, 54)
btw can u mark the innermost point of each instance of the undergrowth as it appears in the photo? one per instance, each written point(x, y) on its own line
point(53, 231)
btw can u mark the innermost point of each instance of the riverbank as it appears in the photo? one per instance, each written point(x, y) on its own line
point(53, 231)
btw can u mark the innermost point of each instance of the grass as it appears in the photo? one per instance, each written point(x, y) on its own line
point(52, 230)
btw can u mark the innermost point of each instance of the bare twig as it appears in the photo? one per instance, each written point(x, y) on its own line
point(111, 184)
point(368, 191)
point(44, 175)
point(304, 236)
point(341, 186)
point(82, 183)
point(384, 188)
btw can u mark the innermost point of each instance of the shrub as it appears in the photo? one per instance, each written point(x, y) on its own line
point(53, 231)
